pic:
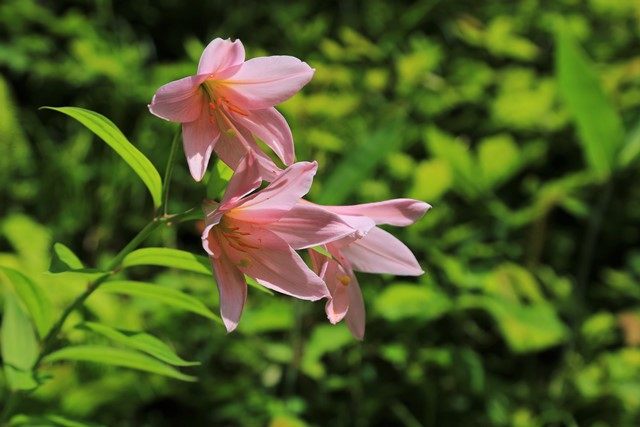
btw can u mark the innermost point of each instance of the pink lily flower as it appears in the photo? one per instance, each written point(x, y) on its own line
point(377, 251)
point(258, 234)
point(228, 102)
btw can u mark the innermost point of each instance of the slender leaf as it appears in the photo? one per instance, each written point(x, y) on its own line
point(168, 296)
point(167, 257)
point(48, 420)
point(175, 258)
point(109, 133)
point(19, 346)
point(116, 357)
point(599, 125)
point(631, 150)
point(140, 341)
point(34, 299)
point(63, 260)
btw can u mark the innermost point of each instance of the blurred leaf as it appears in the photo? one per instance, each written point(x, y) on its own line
point(30, 239)
point(631, 149)
point(218, 178)
point(47, 421)
point(109, 133)
point(431, 181)
point(402, 301)
point(19, 346)
point(525, 328)
point(140, 341)
point(599, 125)
point(34, 298)
point(324, 339)
point(116, 357)
point(499, 158)
point(168, 296)
point(360, 162)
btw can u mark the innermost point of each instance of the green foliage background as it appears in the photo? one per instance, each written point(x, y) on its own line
point(529, 314)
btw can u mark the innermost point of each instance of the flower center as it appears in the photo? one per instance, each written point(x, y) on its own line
point(234, 236)
point(218, 102)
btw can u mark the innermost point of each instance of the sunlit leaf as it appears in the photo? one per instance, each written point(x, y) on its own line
point(140, 341)
point(359, 164)
point(34, 298)
point(116, 357)
point(63, 260)
point(599, 126)
point(161, 294)
point(109, 133)
point(19, 345)
point(525, 328)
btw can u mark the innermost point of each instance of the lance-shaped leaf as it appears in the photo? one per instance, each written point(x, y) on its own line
point(48, 421)
point(181, 260)
point(116, 357)
point(168, 296)
point(599, 125)
point(19, 345)
point(35, 300)
point(109, 133)
point(631, 150)
point(63, 260)
point(140, 341)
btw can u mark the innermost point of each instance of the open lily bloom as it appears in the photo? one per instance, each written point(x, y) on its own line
point(377, 251)
point(257, 235)
point(228, 102)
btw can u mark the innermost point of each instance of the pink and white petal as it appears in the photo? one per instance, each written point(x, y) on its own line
point(211, 242)
point(199, 138)
point(179, 101)
point(233, 145)
point(381, 252)
point(219, 55)
point(245, 179)
point(271, 261)
point(356, 316)
point(266, 81)
point(338, 282)
point(399, 212)
point(306, 225)
point(275, 200)
point(272, 128)
point(233, 291)
point(212, 212)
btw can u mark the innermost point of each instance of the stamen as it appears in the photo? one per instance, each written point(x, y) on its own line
point(344, 279)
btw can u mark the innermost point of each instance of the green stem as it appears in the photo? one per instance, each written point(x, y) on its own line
point(166, 184)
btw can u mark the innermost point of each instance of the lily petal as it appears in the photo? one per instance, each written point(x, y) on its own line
point(306, 225)
point(234, 145)
point(271, 261)
point(399, 212)
point(232, 289)
point(381, 252)
point(338, 281)
point(179, 101)
point(245, 179)
point(266, 81)
point(271, 127)
point(275, 200)
point(356, 315)
point(219, 55)
point(199, 138)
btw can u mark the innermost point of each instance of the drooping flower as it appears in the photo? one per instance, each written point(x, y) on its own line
point(228, 102)
point(257, 235)
point(377, 251)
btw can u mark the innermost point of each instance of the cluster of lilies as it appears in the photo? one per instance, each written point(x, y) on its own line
point(256, 232)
